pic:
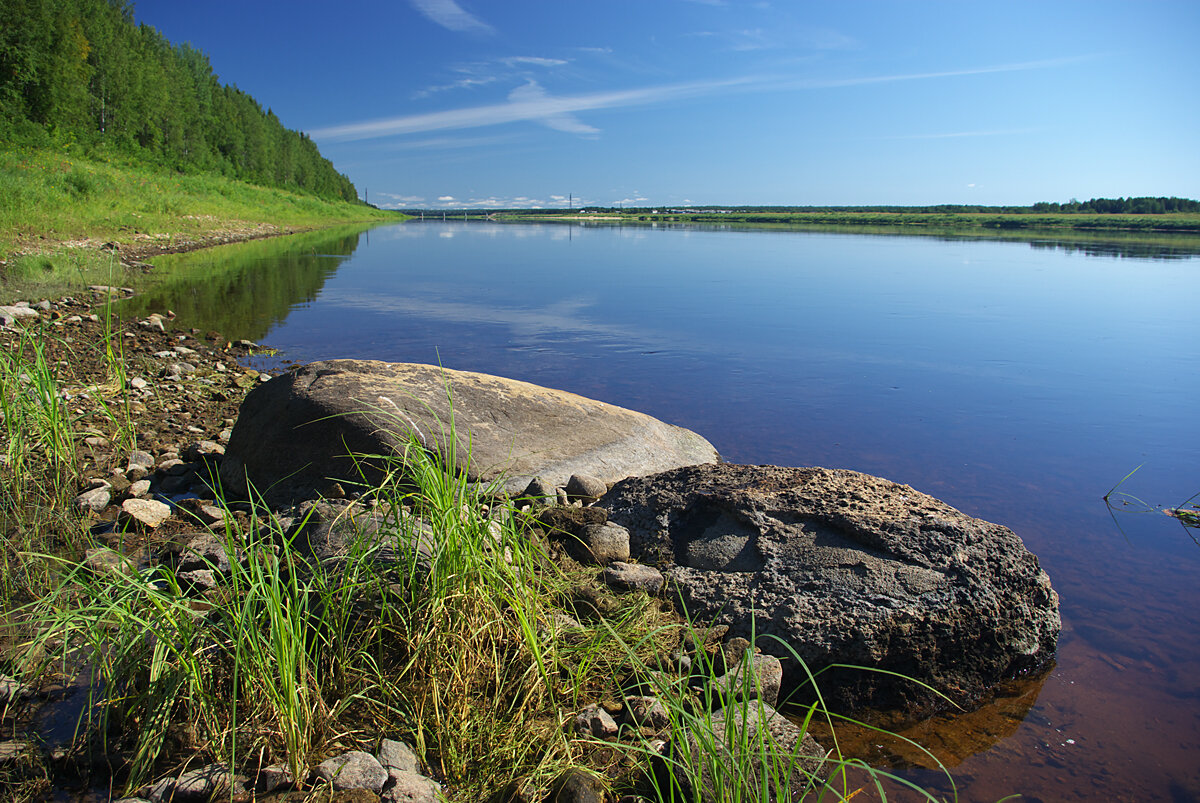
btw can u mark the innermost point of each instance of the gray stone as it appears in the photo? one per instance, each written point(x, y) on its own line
point(585, 487)
point(398, 756)
point(93, 501)
point(647, 712)
point(18, 312)
point(101, 560)
point(197, 786)
point(595, 721)
point(197, 579)
point(275, 777)
point(207, 451)
point(139, 458)
point(847, 569)
point(356, 769)
point(754, 677)
point(145, 513)
point(299, 429)
point(600, 544)
point(12, 690)
point(409, 787)
point(577, 786)
point(139, 489)
point(739, 737)
point(206, 551)
point(633, 577)
point(540, 492)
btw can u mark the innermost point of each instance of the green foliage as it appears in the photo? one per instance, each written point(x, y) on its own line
point(81, 73)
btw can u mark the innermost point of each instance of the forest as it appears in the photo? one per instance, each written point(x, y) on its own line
point(82, 73)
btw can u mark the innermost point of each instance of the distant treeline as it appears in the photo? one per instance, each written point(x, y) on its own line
point(1133, 206)
point(81, 71)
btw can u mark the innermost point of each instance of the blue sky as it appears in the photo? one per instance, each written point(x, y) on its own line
point(452, 103)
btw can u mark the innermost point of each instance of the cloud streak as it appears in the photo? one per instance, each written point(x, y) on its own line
point(531, 103)
point(451, 16)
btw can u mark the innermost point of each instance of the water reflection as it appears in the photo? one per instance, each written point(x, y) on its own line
point(243, 290)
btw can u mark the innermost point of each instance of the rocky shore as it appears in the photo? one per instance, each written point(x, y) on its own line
point(831, 567)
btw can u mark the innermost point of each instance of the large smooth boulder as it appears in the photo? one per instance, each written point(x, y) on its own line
point(298, 431)
point(846, 568)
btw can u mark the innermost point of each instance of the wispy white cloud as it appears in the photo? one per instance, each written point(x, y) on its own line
point(533, 61)
point(530, 106)
point(452, 16)
point(446, 198)
point(532, 94)
point(531, 102)
point(470, 82)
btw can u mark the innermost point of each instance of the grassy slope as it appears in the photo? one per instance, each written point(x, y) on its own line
point(50, 198)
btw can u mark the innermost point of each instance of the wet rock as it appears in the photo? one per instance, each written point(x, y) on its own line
point(847, 569)
point(300, 428)
point(144, 513)
point(633, 577)
point(355, 769)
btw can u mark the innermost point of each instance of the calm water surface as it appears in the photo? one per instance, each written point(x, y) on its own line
point(1017, 381)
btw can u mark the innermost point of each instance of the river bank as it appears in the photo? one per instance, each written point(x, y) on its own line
point(121, 479)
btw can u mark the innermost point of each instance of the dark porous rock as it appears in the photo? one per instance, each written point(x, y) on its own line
point(633, 577)
point(301, 428)
point(356, 769)
point(740, 736)
point(847, 568)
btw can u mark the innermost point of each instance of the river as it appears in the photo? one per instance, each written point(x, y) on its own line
point(1018, 379)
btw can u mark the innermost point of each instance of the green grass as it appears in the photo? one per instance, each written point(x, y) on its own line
point(52, 196)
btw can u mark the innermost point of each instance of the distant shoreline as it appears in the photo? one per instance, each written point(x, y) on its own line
point(1182, 223)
